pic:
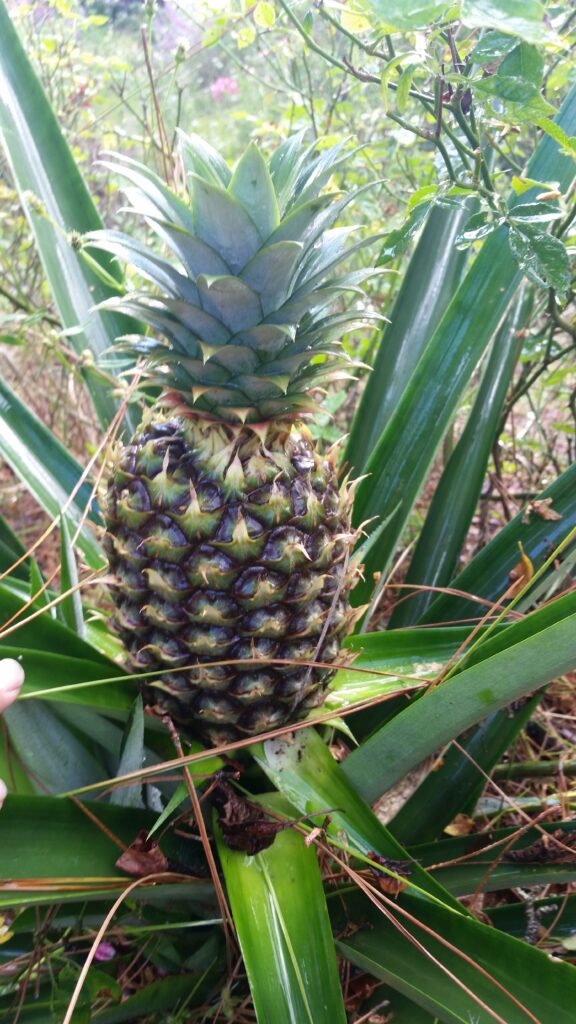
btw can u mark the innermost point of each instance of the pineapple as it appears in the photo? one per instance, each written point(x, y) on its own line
point(228, 533)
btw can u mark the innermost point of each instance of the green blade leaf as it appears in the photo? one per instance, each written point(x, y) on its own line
point(11, 549)
point(279, 910)
point(43, 633)
point(270, 273)
point(513, 918)
point(202, 159)
point(463, 700)
point(516, 17)
point(47, 673)
point(285, 164)
point(230, 301)
point(252, 186)
point(544, 987)
point(428, 283)
point(69, 608)
point(221, 221)
point(309, 777)
point(464, 878)
point(456, 496)
point(44, 167)
point(39, 594)
point(399, 463)
point(405, 15)
point(455, 786)
point(487, 575)
point(55, 759)
point(131, 757)
point(47, 469)
point(74, 847)
point(53, 656)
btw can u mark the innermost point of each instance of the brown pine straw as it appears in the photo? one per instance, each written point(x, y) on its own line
point(93, 578)
point(513, 806)
point(453, 662)
point(511, 592)
point(452, 592)
point(154, 877)
point(344, 666)
point(165, 148)
point(507, 842)
point(104, 446)
point(225, 748)
point(384, 904)
point(227, 922)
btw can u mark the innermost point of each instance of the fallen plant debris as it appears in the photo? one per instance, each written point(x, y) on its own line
point(548, 849)
point(245, 826)
point(541, 507)
point(387, 882)
point(143, 857)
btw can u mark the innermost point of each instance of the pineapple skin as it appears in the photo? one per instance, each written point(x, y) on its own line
point(229, 543)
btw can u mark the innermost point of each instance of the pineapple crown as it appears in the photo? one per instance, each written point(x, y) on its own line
point(243, 318)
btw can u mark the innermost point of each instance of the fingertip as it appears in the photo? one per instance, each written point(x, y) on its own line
point(11, 680)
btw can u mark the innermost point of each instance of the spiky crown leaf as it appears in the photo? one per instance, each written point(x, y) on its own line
point(244, 313)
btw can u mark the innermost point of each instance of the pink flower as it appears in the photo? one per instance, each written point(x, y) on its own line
point(223, 86)
point(105, 951)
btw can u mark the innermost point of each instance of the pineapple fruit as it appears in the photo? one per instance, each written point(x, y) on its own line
point(228, 532)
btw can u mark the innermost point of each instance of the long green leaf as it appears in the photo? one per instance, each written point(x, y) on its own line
point(456, 496)
point(463, 700)
point(403, 657)
point(54, 656)
point(429, 282)
point(559, 915)
point(454, 786)
point(11, 549)
point(487, 575)
point(74, 847)
point(464, 845)
point(280, 914)
point(390, 661)
point(69, 609)
point(44, 167)
point(493, 871)
point(47, 671)
point(544, 987)
point(53, 756)
point(466, 879)
point(48, 470)
point(131, 757)
point(399, 463)
point(304, 770)
point(43, 633)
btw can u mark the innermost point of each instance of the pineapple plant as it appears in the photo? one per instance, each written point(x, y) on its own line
point(228, 532)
